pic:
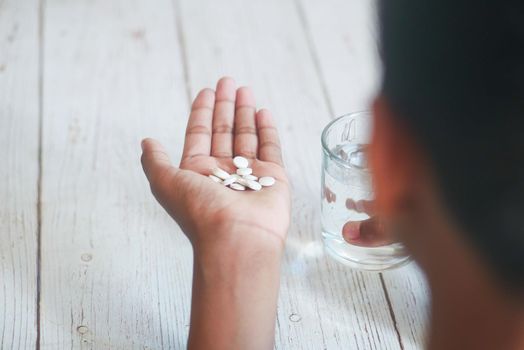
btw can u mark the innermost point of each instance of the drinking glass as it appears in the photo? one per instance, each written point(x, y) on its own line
point(348, 197)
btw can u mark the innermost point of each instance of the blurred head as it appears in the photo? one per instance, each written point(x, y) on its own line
point(449, 124)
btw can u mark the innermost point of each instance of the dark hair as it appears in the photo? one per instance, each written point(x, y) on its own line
point(454, 71)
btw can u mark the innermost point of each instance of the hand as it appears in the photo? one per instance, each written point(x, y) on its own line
point(366, 233)
point(222, 125)
point(237, 237)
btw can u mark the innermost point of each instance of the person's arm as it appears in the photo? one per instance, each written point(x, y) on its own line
point(237, 237)
point(235, 297)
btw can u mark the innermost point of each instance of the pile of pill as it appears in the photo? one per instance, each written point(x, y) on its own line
point(243, 178)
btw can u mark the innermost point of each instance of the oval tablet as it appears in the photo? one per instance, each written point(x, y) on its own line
point(242, 181)
point(266, 181)
point(240, 162)
point(214, 178)
point(252, 184)
point(229, 181)
point(237, 187)
point(249, 177)
point(221, 174)
point(244, 171)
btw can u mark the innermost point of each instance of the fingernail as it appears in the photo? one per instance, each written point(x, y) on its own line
point(142, 144)
point(351, 231)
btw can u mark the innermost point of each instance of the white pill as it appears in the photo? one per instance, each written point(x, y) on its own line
point(214, 178)
point(221, 174)
point(244, 171)
point(253, 185)
point(229, 181)
point(266, 181)
point(249, 177)
point(240, 162)
point(242, 181)
point(237, 187)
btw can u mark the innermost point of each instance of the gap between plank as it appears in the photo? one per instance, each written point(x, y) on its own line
point(393, 318)
point(41, 7)
point(182, 43)
point(316, 61)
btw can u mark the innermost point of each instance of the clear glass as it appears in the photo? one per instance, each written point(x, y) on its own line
point(347, 195)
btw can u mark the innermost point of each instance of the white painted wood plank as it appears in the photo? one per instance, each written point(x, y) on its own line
point(116, 270)
point(18, 172)
point(343, 39)
point(322, 305)
point(410, 298)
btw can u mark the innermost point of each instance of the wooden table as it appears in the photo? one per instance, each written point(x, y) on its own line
point(88, 260)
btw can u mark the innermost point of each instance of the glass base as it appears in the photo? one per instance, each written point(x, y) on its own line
point(365, 258)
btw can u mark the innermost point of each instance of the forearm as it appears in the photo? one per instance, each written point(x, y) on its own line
point(234, 299)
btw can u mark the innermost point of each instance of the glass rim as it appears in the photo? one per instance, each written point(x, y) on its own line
point(323, 140)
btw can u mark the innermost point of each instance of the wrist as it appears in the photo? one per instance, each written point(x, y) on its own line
point(233, 259)
point(235, 242)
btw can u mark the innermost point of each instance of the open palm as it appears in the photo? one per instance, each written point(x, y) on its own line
point(222, 124)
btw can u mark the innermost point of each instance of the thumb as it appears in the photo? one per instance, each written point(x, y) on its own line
point(367, 233)
point(158, 168)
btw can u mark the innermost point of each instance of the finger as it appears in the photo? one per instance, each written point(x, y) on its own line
point(268, 142)
point(198, 131)
point(223, 118)
point(361, 206)
point(246, 138)
point(329, 195)
point(157, 166)
point(367, 233)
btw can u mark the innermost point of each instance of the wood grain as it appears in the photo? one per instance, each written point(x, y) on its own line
point(343, 36)
point(410, 297)
point(19, 120)
point(116, 270)
point(322, 305)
